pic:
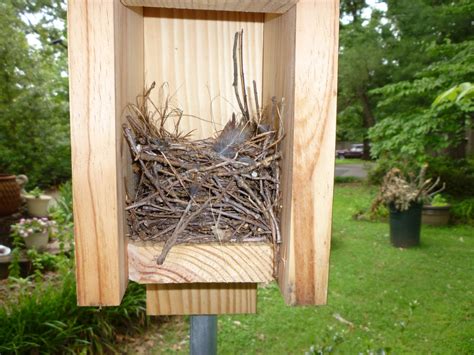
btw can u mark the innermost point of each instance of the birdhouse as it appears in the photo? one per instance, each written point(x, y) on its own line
point(119, 47)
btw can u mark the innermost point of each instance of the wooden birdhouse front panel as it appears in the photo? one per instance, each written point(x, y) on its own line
point(118, 48)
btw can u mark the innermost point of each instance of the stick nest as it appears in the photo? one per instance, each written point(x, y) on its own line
point(224, 188)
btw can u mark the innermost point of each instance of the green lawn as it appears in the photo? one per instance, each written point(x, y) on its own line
point(350, 161)
point(403, 301)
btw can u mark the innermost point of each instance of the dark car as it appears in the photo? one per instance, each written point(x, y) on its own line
point(356, 151)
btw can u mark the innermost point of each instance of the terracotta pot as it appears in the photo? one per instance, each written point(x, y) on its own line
point(37, 241)
point(10, 199)
point(38, 206)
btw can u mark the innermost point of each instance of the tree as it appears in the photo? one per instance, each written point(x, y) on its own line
point(414, 128)
point(34, 121)
point(391, 47)
point(361, 68)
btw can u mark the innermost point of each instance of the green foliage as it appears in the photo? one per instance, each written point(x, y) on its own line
point(36, 192)
point(462, 94)
point(63, 226)
point(413, 128)
point(43, 262)
point(458, 175)
point(62, 214)
point(463, 211)
point(439, 200)
point(46, 319)
point(34, 119)
point(393, 64)
point(40, 261)
point(361, 68)
point(346, 179)
point(365, 213)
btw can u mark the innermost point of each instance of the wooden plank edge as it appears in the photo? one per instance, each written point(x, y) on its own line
point(262, 6)
point(210, 263)
point(189, 299)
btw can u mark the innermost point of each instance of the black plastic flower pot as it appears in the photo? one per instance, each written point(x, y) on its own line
point(405, 226)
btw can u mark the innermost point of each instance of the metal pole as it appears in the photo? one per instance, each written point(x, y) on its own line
point(203, 335)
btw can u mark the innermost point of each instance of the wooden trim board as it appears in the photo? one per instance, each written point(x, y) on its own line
point(265, 6)
point(182, 299)
point(193, 263)
point(300, 64)
point(105, 41)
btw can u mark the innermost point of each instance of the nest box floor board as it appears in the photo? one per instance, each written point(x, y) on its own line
point(206, 263)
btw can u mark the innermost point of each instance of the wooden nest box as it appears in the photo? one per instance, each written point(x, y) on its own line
point(116, 49)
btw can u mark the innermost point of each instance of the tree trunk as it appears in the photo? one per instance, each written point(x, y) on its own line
point(368, 121)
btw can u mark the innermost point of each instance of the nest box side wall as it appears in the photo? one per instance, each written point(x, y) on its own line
point(106, 72)
point(300, 64)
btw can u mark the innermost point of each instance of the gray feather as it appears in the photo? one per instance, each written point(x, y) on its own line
point(230, 138)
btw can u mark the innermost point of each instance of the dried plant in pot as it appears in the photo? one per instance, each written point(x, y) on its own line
point(404, 195)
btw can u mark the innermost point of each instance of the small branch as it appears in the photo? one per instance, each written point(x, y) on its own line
point(236, 73)
point(245, 113)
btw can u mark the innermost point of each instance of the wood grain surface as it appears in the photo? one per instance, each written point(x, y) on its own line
point(114, 50)
point(103, 47)
point(300, 64)
point(268, 6)
point(201, 298)
point(191, 263)
point(191, 51)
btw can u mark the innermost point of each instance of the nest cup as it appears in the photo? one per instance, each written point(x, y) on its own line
point(224, 188)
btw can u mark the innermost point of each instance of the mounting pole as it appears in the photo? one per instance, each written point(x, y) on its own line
point(203, 335)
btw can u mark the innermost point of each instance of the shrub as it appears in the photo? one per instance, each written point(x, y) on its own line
point(378, 214)
point(463, 212)
point(46, 319)
point(458, 175)
point(346, 179)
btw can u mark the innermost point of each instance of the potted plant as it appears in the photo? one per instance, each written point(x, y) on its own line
point(37, 202)
point(404, 195)
point(436, 212)
point(33, 231)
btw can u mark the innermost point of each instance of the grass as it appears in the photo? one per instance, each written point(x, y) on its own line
point(44, 318)
point(418, 300)
point(350, 161)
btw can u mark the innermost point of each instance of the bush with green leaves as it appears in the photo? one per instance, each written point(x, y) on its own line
point(415, 127)
point(62, 214)
point(463, 211)
point(457, 174)
point(439, 200)
point(45, 318)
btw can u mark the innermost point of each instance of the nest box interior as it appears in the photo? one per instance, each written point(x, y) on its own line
point(116, 49)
